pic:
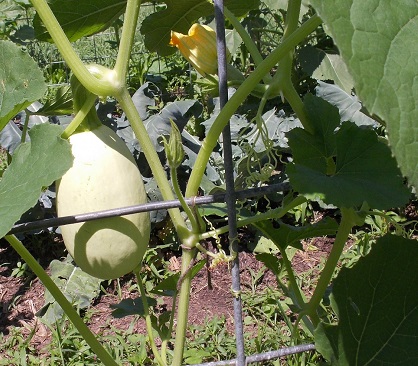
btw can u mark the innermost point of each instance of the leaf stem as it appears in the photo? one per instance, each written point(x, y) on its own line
point(127, 39)
point(348, 221)
point(249, 43)
point(150, 332)
point(283, 77)
point(179, 194)
point(67, 51)
point(239, 96)
point(272, 214)
point(89, 337)
point(295, 293)
point(183, 306)
point(80, 116)
point(158, 172)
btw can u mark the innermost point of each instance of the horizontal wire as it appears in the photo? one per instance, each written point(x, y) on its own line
point(146, 207)
point(266, 356)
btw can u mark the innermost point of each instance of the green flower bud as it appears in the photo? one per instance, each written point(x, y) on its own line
point(173, 147)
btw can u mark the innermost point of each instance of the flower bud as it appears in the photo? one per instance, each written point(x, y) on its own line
point(198, 47)
point(173, 147)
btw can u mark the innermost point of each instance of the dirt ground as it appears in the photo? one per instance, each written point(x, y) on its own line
point(20, 299)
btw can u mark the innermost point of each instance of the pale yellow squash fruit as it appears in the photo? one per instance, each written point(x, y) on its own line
point(104, 176)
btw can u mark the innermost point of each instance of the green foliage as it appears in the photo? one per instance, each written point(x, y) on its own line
point(96, 16)
point(286, 235)
point(79, 287)
point(373, 39)
point(328, 147)
point(344, 167)
point(376, 305)
point(17, 93)
point(22, 182)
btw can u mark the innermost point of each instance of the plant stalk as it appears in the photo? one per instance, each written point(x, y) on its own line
point(158, 172)
point(283, 77)
point(154, 349)
point(69, 55)
point(348, 221)
point(80, 116)
point(249, 43)
point(88, 336)
point(183, 306)
point(272, 214)
point(127, 39)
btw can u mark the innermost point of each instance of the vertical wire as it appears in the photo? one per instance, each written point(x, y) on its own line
point(229, 180)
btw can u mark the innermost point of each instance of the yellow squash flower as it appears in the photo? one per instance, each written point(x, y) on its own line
point(198, 47)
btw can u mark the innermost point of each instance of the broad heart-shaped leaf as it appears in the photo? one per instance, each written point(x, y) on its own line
point(78, 287)
point(80, 18)
point(377, 40)
point(36, 164)
point(179, 15)
point(21, 81)
point(344, 167)
point(376, 302)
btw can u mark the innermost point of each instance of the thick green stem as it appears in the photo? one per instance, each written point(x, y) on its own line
point(127, 38)
point(283, 77)
point(80, 116)
point(295, 292)
point(348, 221)
point(148, 323)
point(249, 43)
point(158, 172)
point(239, 96)
point(193, 220)
point(88, 336)
point(69, 55)
point(183, 307)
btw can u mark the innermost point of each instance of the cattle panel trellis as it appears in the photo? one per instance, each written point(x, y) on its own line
point(230, 197)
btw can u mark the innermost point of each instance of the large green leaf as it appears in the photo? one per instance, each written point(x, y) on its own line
point(378, 41)
point(21, 81)
point(179, 15)
point(80, 18)
point(344, 166)
point(377, 307)
point(36, 164)
point(78, 287)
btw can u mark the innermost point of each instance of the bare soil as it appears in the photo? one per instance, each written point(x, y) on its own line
point(21, 298)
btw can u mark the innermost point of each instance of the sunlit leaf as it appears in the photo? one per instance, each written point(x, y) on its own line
point(344, 166)
point(377, 40)
point(348, 105)
point(326, 66)
point(36, 164)
point(21, 81)
point(376, 304)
